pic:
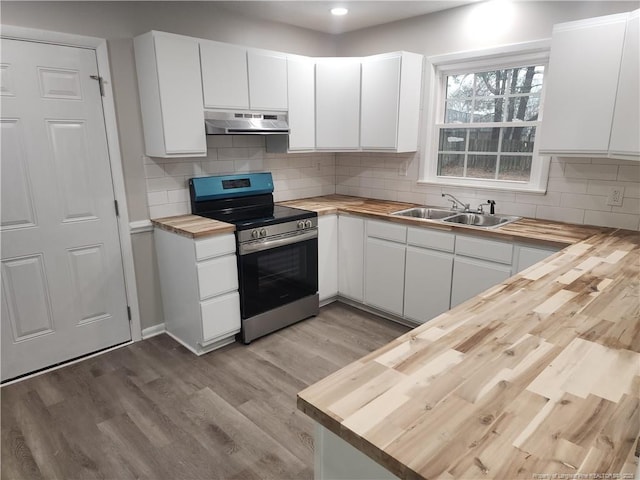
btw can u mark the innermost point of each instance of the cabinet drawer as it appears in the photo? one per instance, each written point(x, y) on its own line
point(486, 249)
point(217, 276)
point(220, 317)
point(215, 246)
point(387, 231)
point(423, 237)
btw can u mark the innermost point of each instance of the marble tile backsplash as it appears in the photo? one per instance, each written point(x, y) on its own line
point(576, 193)
point(294, 175)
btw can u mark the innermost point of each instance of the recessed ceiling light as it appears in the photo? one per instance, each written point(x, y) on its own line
point(339, 11)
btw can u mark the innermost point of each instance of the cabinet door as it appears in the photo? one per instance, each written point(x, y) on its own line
point(224, 75)
point(527, 256)
point(302, 106)
point(427, 285)
point(384, 275)
point(338, 103)
point(327, 256)
point(471, 277)
point(351, 257)
point(581, 88)
point(267, 81)
point(168, 68)
point(380, 99)
point(625, 140)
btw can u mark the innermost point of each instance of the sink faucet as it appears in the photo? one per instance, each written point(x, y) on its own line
point(491, 203)
point(455, 201)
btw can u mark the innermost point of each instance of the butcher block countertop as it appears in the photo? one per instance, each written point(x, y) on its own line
point(193, 226)
point(540, 232)
point(538, 375)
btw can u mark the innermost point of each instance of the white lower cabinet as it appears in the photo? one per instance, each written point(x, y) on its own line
point(327, 257)
point(524, 257)
point(428, 271)
point(384, 275)
point(199, 284)
point(472, 276)
point(427, 285)
point(417, 273)
point(351, 257)
point(479, 264)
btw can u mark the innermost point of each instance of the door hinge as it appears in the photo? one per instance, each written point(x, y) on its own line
point(129, 312)
point(100, 83)
point(117, 208)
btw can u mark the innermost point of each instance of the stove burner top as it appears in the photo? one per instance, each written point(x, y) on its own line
point(247, 218)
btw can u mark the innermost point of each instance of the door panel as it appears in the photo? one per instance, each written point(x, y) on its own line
point(62, 281)
point(19, 213)
point(27, 295)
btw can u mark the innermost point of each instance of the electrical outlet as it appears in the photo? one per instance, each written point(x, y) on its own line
point(616, 194)
point(402, 171)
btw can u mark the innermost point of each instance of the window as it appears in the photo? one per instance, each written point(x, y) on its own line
point(485, 119)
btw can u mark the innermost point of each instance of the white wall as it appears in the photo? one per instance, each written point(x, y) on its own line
point(119, 22)
point(577, 187)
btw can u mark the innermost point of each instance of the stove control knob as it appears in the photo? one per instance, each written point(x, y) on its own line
point(255, 234)
point(263, 232)
point(301, 224)
point(308, 224)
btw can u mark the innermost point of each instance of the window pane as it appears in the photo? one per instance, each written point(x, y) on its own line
point(458, 111)
point(452, 139)
point(484, 139)
point(515, 168)
point(460, 86)
point(492, 83)
point(523, 108)
point(526, 79)
point(481, 166)
point(518, 139)
point(450, 165)
point(488, 110)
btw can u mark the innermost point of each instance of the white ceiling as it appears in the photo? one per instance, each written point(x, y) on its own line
point(315, 15)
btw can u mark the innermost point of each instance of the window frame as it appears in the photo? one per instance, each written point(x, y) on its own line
point(474, 61)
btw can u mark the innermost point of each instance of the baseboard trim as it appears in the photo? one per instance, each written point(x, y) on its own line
point(153, 331)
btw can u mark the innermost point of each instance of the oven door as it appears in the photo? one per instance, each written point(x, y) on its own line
point(274, 272)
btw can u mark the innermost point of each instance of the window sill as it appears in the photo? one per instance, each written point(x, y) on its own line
point(495, 188)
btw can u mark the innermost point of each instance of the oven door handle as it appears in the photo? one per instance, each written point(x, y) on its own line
point(253, 247)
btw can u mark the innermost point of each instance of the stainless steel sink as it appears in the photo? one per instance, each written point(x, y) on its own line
point(480, 219)
point(425, 212)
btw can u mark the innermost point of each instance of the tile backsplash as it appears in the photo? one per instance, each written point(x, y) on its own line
point(294, 175)
point(576, 193)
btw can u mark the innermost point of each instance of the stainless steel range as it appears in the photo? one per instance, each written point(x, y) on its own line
point(277, 249)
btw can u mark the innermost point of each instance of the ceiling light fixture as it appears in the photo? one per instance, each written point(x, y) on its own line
point(339, 11)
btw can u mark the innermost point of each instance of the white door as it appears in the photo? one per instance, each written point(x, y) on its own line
point(62, 280)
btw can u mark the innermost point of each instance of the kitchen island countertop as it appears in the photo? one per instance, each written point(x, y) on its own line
point(537, 375)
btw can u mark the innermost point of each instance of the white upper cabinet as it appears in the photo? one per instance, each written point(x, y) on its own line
point(267, 80)
point(582, 88)
point(224, 75)
point(168, 68)
point(238, 78)
point(338, 103)
point(302, 106)
point(390, 109)
point(625, 136)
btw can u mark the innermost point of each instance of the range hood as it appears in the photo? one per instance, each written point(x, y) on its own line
point(245, 123)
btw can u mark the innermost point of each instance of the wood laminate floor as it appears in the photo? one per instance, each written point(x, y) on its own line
point(154, 410)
